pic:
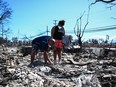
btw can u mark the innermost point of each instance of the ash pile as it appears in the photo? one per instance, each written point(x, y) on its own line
point(82, 69)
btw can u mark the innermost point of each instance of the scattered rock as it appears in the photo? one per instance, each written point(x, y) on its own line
point(76, 70)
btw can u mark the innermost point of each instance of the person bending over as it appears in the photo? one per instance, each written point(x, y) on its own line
point(42, 43)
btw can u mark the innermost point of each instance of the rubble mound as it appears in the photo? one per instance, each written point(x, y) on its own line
point(84, 69)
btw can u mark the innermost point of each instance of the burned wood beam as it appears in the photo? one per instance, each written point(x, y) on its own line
point(107, 1)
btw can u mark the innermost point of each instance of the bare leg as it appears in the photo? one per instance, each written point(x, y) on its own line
point(45, 57)
point(55, 55)
point(33, 53)
point(59, 54)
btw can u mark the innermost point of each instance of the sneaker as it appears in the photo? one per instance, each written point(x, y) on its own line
point(60, 62)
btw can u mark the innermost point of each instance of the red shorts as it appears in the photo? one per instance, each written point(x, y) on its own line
point(58, 44)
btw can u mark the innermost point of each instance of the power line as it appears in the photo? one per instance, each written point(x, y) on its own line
point(98, 29)
point(103, 27)
point(112, 27)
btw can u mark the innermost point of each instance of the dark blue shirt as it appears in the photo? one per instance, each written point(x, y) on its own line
point(41, 42)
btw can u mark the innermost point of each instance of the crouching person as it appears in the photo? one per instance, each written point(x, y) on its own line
point(42, 43)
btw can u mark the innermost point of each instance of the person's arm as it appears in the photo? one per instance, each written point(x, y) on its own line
point(52, 31)
point(64, 31)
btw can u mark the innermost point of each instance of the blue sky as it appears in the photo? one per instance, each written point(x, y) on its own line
point(31, 17)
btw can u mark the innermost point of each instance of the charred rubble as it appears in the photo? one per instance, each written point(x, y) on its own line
point(90, 67)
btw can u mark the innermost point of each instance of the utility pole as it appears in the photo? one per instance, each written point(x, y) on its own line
point(47, 31)
point(18, 34)
point(55, 22)
point(2, 31)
